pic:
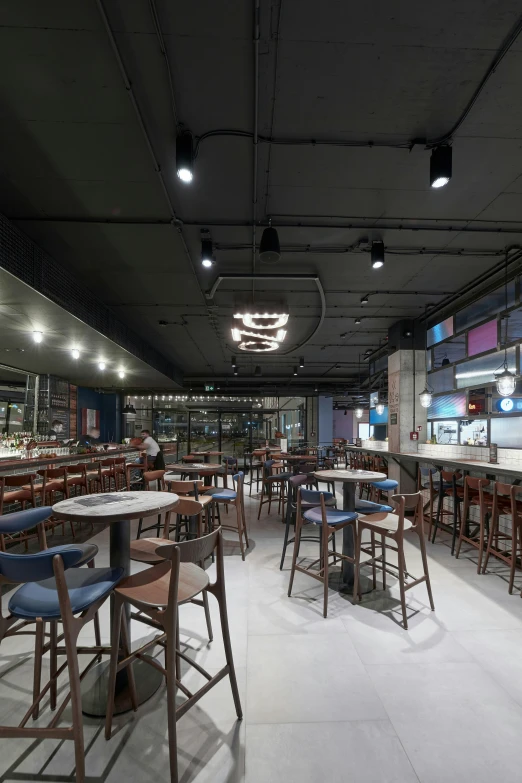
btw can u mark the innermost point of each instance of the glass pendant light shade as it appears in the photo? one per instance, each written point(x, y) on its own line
point(506, 383)
point(359, 413)
point(379, 408)
point(425, 398)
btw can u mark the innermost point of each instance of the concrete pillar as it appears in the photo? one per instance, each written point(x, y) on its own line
point(406, 380)
point(325, 421)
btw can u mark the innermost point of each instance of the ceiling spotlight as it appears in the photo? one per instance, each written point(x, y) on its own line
point(316, 389)
point(377, 254)
point(343, 336)
point(121, 373)
point(234, 361)
point(269, 247)
point(440, 166)
point(257, 370)
point(301, 361)
point(364, 300)
point(357, 320)
point(184, 157)
point(236, 369)
point(206, 253)
point(101, 365)
point(359, 413)
point(345, 412)
point(407, 333)
point(75, 353)
point(295, 370)
point(38, 337)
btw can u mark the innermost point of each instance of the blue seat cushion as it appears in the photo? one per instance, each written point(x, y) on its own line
point(368, 507)
point(224, 494)
point(333, 517)
point(279, 477)
point(386, 485)
point(24, 520)
point(85, 586)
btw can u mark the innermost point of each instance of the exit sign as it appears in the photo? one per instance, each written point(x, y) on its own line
point(209, 387)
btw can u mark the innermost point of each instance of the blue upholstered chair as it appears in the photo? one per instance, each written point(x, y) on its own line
point(331, 520)
point(234, 497)
point(294, 482)
point(379, 490)
point(55, 590)
point(369, 507)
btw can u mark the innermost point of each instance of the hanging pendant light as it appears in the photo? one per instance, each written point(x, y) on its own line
point(269, 247)
point(425, 397)
point(379, 408)
point(358, 413)
point(129, 408)
point(506, 381)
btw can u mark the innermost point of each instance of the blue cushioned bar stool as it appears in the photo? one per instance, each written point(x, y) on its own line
point(54, 590)
point(330, 521)
point(234, 497)
point(369, 507)
point(294, 482)
point(379, 489)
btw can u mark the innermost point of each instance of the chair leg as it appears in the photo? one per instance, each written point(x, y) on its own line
point(140, 525)
point(374, 567)
point(383, 547)
point(225, 630)
point(491, 539)
point(357, 565)
point(71, 639)
point(170, 665)
point(325, 569)
point(113, 665)
point(422, 544)
point(514, 550)
point(53, 662)
point(261, 499)
point(297, 539)
point(240, 529)
point(402, 579)
point(38, 658)
point(126, 645)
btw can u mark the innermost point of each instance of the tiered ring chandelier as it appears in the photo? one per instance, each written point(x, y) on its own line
point(259, 332)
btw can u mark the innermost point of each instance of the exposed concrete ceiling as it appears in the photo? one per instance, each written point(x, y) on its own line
point(78, 176)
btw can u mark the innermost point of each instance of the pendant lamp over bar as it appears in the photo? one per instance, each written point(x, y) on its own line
point(506, 381)
point(440, 166)
point(269, 247)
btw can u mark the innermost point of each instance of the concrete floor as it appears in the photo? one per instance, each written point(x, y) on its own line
point(352, 697)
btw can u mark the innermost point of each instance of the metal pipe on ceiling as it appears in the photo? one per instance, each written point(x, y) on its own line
point(255, 139)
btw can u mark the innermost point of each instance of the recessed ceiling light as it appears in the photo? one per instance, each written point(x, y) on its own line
point(37, 336)
point(101, 365)
point(184, 157)
point(75, 353)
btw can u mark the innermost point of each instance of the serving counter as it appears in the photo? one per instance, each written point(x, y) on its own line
point(9, 467)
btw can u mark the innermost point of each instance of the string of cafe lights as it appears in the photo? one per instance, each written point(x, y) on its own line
point(38, 337)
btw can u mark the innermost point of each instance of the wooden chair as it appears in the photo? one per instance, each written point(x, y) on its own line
point(39, 602)
point(152, 477)
point(25, 493)
point(505, 502)
point(157, 593)
point(55, 480)
point(271, 480)
point(475, 497)
point(294, 482)
point(392, 527)
point(449, 488)
point(119, 472)
point(425, 482)
point(234, 497)
point(331, 520)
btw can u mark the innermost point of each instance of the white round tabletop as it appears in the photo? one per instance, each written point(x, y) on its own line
point(112, 506)
point(349, 475)
point(192, 467)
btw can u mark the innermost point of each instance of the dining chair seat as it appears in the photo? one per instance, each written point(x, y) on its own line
point(369, 507)
point(224, 494)
point(278, 477)
point(151, 586)
point(333, 517)
point(385, 521)
point(85, 587)
point(143, 550)
point(386, 485)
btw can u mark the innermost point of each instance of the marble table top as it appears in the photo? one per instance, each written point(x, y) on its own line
point(349, 475)
point(193, 467)
point(112, 506)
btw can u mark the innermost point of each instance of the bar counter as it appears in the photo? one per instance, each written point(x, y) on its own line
point(480, 466)
point(10, 466)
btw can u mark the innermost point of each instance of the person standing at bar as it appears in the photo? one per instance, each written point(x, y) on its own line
point(152, 449)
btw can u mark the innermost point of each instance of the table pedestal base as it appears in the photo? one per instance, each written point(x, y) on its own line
point(348, 542)
point(95, 684)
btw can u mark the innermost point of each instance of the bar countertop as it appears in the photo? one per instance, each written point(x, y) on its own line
point(499, 468)
point(8, 465)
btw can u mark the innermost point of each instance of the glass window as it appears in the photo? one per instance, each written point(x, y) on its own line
point(446, 432)
point(442, 380)
point(483, 338)
point(482, 370)
point(514, 325)
point(365, 430)
point(474, 432)
point(450, 351)
point(429, 366)
point(507, 433)
point(204, 431)
point(491, 304)
point(439, 332)
point(448, 405)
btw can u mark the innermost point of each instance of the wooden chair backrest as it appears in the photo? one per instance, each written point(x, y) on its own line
point(185, 487)
point(151, 476)
point(188, 507)
point(19, 480)
point(52, 472)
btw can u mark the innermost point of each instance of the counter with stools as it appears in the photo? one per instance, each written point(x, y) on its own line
point(506, 502)
point(475, 495)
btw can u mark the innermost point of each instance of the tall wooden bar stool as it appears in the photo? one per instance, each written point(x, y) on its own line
point(271, 480)
point(392, 527)
point(55, 590)
point(425, 482)
point(330, 521)
point(505, 502)
point(294, 482)
point(194, 490)
point(150, 477)
point(19, 489)
point(54, 480)
point(475, 497)
point(256, 464)
point(157, 593)
point(449, 488)
point(235, 497)
point(77, 478)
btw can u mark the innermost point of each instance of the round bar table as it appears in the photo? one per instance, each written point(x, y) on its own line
point(207, 454)
point(206, 468)
point(117, 508)
point(349, 479)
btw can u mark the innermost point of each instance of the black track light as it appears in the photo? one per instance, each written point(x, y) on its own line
point(345, 412)
point(343, 336)
point(236, 369)
point(445, 361)
point(206, 253)
point(440, 166)
point(364, 300)
point(269, 247)
point(185, 157)
point(357, 320)
point(301, 361)
point(234, 364)
point(295, 370)
point(257, 370)
point(377, 254)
